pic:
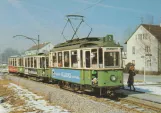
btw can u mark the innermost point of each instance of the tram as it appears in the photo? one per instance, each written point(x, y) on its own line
point(91, 64)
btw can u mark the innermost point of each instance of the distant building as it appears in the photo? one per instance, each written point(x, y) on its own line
point(43, 48)
point(144, 48)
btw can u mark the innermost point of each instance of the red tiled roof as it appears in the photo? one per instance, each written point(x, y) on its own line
point(155, 30)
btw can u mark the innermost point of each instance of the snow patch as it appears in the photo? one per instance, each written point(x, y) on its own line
point(36, 102)
point(144, 87)
point(2, 109)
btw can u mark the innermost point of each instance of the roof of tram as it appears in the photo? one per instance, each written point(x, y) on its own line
point(89, 42)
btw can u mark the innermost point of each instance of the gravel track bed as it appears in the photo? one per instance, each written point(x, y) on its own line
point(67, 99)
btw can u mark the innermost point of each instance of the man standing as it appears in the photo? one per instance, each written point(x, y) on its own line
point(132, 73)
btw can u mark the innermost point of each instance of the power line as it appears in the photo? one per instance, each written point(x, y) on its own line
point(90, 6)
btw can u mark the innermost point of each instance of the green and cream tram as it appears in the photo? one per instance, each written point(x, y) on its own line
point(93, 64)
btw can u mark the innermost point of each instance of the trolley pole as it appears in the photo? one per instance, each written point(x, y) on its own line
point(38, 41)
point(35, 40)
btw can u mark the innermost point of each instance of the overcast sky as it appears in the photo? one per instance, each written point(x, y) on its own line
point(47, 19)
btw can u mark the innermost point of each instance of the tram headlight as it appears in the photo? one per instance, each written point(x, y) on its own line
point(113, 78)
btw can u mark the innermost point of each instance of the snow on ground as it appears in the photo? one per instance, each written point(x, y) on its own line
point(148, 87)
point(5, 108)
point(35, 102)
point(2, 109)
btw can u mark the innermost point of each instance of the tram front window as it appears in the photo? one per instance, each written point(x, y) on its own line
point(111, 59)
point(94, 57)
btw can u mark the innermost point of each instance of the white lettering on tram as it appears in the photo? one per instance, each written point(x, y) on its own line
point(66, 75)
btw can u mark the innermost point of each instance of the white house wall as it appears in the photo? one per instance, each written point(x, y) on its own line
point(139, 45)
point(47, 48)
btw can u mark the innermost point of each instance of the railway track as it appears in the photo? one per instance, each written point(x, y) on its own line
point(131, 104)
point(142, 105)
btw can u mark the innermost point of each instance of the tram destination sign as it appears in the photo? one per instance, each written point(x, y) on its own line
point(111, 49)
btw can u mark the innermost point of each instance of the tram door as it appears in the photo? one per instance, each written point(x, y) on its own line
point(86, 55)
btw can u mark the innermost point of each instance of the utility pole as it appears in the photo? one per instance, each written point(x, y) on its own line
point(38, 41)
point(144, 67)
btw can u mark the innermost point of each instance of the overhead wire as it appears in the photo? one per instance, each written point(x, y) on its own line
point(99, 1)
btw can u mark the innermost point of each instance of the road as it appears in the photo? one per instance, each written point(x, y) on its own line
point(148, 78)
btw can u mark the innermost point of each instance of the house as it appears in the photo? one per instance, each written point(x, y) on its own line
point(43, 48)
point(144, 48)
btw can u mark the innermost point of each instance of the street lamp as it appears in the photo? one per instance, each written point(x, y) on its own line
point(32, 39)
point(145, 60)
point(144, 65)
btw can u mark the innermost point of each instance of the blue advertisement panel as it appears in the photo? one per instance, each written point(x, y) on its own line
point(66, 75)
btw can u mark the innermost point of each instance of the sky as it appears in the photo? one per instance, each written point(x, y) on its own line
point(47, 19)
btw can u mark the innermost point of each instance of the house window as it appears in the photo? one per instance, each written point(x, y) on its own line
point(133, 49)
point(148, 63)
point(147, 49)
point(133, 61)
point(145, 36)
point(136, 36)
point(140, 36)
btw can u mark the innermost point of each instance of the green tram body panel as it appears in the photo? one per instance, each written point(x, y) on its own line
point(38, 72)
point(104, 77)
point(86, 76)
point(20, 69)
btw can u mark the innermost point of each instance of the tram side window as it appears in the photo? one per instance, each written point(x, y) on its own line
point(19, 62)
point(26, 62)
point(94, 57)
point(22, 62)
point(54, 59)
point(66, 59)
point(47, 62)
point(35, 62)
point(100, 58)
point(59, 59)
point(74, 61)
point(11, 62)
point(15, 62)
point(42, 62)
point(31, 61)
